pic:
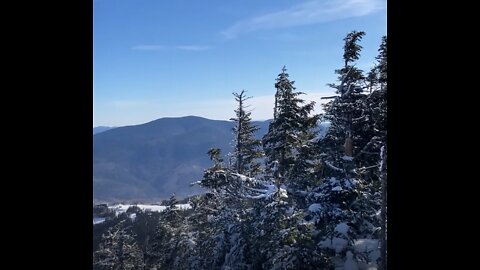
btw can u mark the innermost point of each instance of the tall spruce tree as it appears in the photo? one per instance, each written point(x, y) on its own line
point(290, 166)
point(344, 207)
point(374, 153)
point(247, 148)
point(288, 131)
point(377, 146)
point(346, 112)
point(382, 65)
point(383, 155)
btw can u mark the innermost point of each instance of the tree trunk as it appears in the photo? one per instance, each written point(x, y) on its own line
point(239, 144)
point(348, 146)
point(383, 213)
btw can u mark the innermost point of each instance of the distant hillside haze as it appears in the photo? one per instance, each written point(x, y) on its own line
point(101, 129)
point(156, 159)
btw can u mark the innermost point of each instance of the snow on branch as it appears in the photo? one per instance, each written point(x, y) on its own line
point(382, 155)
point(264, 193)
point(373, 140)
point(364, 169)
point(244, 177)
point(269, 191)
point(195, 183)
point(332, 166)
point(330, 97)
point(359, 118)
point(258, 190)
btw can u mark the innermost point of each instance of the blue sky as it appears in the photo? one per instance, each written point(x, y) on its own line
point(168, 58)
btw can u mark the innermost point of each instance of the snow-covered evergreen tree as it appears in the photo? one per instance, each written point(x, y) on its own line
point(205, 232)
point(345, 202)
point(223, 242)
point(118, 250)
point(163, 249)
point(377, 104)
point(306, 172)
point(289, 130)
point(346, 112)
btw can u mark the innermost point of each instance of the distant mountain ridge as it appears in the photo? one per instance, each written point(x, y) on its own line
point(101, 129)
point(158, 158)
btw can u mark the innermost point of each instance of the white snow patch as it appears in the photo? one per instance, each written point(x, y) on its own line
point(243, 177)
point(184, 206)
point(381, 156)
point(283, 191)
point(269, 190)
point(133, 216)
point(97, 220)
point(314, 207)
point(351, 183)
point(347, 158)
point(369, 246)
point(151, 207)
point(334, 181)
point(191, 243)
point(350, 263)
point(122, 208)
point(337, 188)
point(338, 244)
point(361, 246)
point(342, 228)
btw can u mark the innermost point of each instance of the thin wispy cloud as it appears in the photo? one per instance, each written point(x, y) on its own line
point(192, 48)
point(283, 37)
point(148, 48)
point(310, 12)
point(178, 47)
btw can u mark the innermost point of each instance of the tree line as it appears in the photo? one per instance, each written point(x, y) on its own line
point(291, 200)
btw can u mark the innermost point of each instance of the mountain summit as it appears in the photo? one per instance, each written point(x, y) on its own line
point(158, 158)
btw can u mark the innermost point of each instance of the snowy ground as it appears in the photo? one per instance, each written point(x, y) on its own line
point(369, 248)
point(122, 208)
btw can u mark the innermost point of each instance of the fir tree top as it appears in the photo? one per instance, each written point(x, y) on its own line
point(352, 48)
